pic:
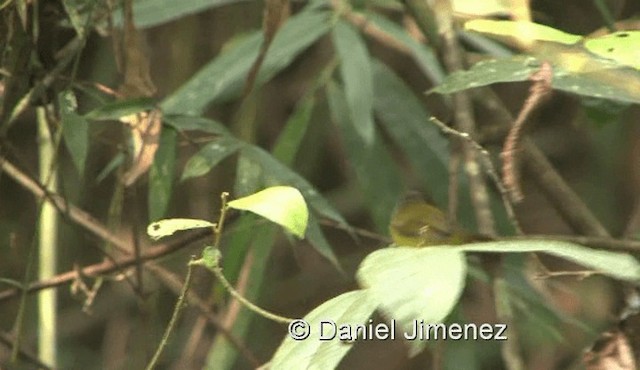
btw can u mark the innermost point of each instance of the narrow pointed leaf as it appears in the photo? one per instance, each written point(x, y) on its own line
point(75, 130)
point(355, 69)
point(162, 228)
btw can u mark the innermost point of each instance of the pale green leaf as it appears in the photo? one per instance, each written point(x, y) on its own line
point(278, 174)
point(313, 353)
point(75, 130)
point(355, 69)
point(414, 284)
point(620, 47)
point(162, 228)
point(283, 205)
point(622, 266)
point(520, 31)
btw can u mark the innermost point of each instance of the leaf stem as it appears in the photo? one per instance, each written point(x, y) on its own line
point(174, 318)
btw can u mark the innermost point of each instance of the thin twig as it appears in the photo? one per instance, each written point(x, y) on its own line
point(489, 167)
point(464, 120)
point(174, 317)
point(538, 93)
point(564, 200)
point(217, 271)
point(85, 220)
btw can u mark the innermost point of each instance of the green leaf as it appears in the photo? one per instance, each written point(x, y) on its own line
point(162, 228)
point(377, 175)
point(224, 77)
point(313, 353)
point(621, 266)
point(189, 123)
point(520, 30)
point(414, 284)
point(320, 243)
point(599, 82)
point(355, 68)
point(404, 117)
point(75, 130)
point(149, 13)
point(422, 54)
point(161, 174)
point(291, 136)
point(116, 161)
point(279, 174)
point(120, 108)
point(209, 156)
point(620, 47)
point(488, 72)
point(282, 205)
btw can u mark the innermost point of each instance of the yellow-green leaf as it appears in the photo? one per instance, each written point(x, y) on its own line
point(283, 205)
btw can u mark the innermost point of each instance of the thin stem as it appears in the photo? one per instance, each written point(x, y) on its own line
point(219, 226)
point(217, 271)
point(489, 167)
point(180, 304)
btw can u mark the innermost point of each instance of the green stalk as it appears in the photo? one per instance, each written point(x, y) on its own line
point(47, 308)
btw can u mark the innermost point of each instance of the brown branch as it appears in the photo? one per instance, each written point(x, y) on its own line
point(564, 200)
point(489, 168)
point(464, 120)
point(107, 267)
point(85, 220)
point(538, 93)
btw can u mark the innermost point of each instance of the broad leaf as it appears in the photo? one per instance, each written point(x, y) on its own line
point(620, 47)
point(412, 284)
point(313, 353)
point(355, 68)
point(622, 266)
point(282, 205)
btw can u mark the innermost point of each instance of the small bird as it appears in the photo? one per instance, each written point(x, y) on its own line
point(416, 223)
